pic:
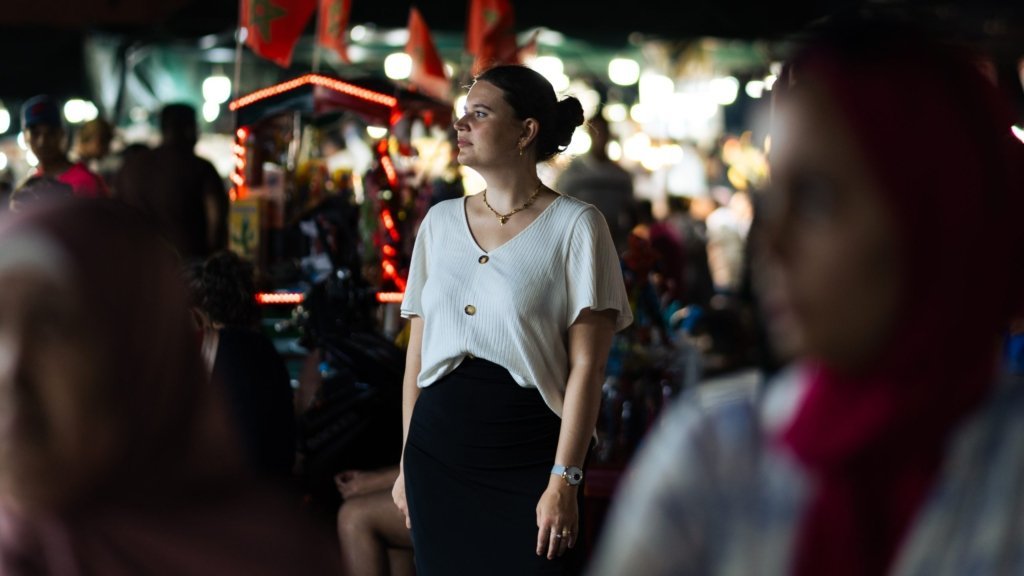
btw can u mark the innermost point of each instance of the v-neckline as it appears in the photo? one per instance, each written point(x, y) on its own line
point(472, 238)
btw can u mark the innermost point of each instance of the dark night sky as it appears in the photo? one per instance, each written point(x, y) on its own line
point(42, 39)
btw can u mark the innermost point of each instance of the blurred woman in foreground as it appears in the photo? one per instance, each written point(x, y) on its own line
point(889, 270)
point(115, 453)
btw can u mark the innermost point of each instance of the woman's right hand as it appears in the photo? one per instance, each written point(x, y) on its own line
point(398, 495)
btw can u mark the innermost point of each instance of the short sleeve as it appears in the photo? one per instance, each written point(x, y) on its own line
point(412, 302)
point(593, 273)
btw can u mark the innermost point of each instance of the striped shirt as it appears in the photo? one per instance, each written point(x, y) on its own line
point(514, 304)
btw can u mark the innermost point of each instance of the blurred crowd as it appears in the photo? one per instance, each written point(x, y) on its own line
point(870, 297)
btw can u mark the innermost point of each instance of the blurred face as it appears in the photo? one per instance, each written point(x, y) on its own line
point(829, 273)
point(489, 133)
point(599, 135)
point(46, 142)
point(50, 442)
point(94, 147)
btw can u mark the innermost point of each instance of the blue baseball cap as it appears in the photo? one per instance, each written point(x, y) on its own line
point(41, 109)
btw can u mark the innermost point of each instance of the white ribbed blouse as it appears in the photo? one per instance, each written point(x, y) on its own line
point(514, 304)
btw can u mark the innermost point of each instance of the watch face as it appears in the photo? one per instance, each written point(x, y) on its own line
point(574, 475)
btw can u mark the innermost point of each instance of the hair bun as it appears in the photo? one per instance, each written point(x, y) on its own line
point(569, 114)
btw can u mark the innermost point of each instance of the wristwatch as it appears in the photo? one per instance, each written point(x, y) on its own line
point(571, 474)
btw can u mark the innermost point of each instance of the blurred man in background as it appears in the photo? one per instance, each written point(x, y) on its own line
point(46, 137)
point(181, 191)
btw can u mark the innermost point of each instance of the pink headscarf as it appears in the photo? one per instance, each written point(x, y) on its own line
point(173, 498)
point(937, 135)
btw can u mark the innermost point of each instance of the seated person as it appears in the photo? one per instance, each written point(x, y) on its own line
point(245, 361)
point(374, 538)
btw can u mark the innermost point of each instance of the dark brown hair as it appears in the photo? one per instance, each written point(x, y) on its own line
point(532, 96)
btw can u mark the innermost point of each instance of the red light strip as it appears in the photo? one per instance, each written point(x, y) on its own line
point(392, 273)
point(389, 251)
point(389, 223)
point(280, 298)
point(318, 80)
point(237, 179)
point(352, 90)
point(390, 297)
point(389, 169)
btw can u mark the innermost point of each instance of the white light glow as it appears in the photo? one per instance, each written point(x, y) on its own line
point(724, 90)
point(211, 110)
point(560, 83)
point(77, 111)
point(31, 159)
point(755, 88)
point(671, 154)
point(3, 161)
point(449, 69)
point(21, 140)
point(5, 120)
point(217, 89)
point(357, 54)
point(589, 100)
point(651, 160)
point(376, 132)
point(656, 91)
point(548, 65)
point(624, 71)
point(550, 37)
point(460, 106)
point(614, 151)
point(398, 66)
point(358, 33)
point(397, 37)
point(636, 146)
point(694, 107)
point(769, 81)
point(580, 143)
point(1018, 132)
point(552, 68)
point(639, 113)
point(91, 111)
point(616, 112)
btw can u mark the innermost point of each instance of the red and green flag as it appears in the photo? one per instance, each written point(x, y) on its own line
point(490, 36)
point(274, 26)
point(334, 16)
point(428, 73)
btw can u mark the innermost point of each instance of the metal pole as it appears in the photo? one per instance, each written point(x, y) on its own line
point(236, 84)
point(316, 40)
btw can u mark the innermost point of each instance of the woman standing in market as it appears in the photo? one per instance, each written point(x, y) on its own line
point(513, 295)
point(890, 243)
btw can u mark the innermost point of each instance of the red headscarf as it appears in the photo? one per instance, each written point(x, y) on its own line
point(938, 137)
point(170, 496)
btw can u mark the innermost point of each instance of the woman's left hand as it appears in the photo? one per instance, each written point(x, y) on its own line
point(557, 519)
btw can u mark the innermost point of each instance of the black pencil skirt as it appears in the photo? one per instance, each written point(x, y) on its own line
point(477, 459)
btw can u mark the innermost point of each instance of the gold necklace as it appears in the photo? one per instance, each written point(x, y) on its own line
point(504, 217)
